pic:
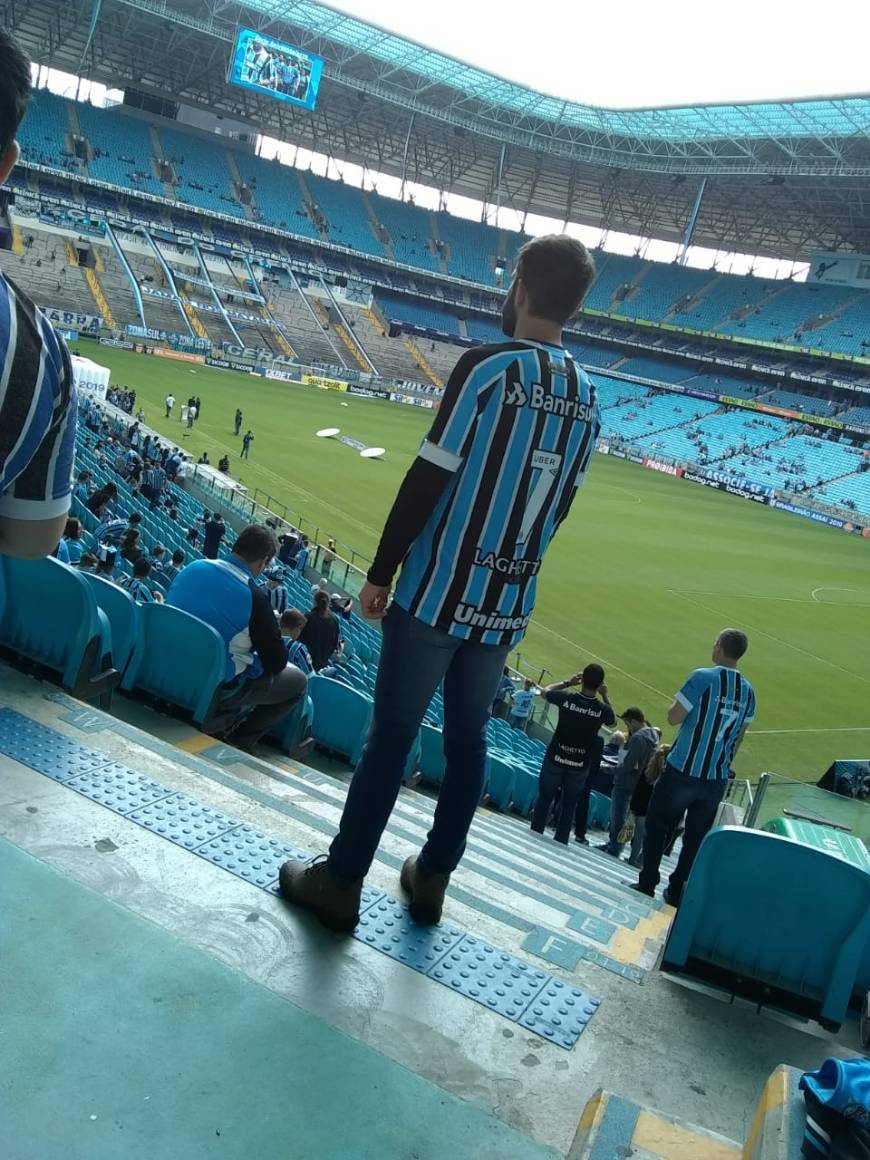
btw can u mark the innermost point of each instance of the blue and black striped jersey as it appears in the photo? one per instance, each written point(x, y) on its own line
point(720, 702)
point(37, 411)
point(516, 429)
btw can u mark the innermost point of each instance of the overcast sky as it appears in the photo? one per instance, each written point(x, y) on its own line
point(636, 53)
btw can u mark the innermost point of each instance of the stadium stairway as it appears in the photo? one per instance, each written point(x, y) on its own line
point(422, 362)
point(103, 308)
point(197, 1014)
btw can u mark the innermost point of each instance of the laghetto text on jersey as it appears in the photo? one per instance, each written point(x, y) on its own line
point(516, 430)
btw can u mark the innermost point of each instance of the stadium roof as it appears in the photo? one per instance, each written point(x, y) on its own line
point(782, 178)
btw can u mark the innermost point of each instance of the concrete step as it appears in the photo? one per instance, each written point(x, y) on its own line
point(614, 1127)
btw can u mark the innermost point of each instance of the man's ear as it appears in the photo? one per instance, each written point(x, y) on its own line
point(521, 299)
point(9, 160)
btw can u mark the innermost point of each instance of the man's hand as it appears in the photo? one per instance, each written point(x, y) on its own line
point(577, 679)
point(602, 691)
point(373, 601)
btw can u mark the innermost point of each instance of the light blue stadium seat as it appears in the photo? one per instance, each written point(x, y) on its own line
point(599, 811)
point(743, 925)
point(51, 618)
point(525, 789)
point(122, 612)
point(431, 761)
point(179, 659)
point(500, 776)
point(295, 727)
point(342, 717)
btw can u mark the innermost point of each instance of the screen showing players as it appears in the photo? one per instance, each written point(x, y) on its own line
point(270, 66)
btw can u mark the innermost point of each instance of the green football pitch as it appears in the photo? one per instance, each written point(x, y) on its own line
point(641, 577)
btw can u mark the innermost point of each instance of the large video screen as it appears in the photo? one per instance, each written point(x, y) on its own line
point(270, 66)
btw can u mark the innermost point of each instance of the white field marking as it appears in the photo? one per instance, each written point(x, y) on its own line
point(833, 729)
point(742, 596)
point(585, 649)
point(814, 594)
point(785, 643)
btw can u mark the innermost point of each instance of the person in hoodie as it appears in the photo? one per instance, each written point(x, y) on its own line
point(639, 748)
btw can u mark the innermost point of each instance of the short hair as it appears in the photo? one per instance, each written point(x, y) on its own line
point(157, 550)
point(178, 556)
point(83, 475)
point(556, 271)
point(255, 543)
point(142, 568)
point(15, 87)
point(321, 600)
point(134, 518)
point(733, 643)
point(73, 529)
point(593, 676)
point(293, 618)
point(131, 536)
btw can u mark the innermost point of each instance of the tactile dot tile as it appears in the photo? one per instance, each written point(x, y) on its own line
point(121, 789)
point(249, 854)
point(182, 820)
point(445, 954)
point(388, 926)
point(490, 976)
point(559, 1012)
point(44, 749)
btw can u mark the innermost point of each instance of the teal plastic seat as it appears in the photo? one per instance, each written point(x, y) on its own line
point(295, 727)
point(122, 612)
point(50, 617)
point(341, 717)
point(178, 659)
point(775, 921)
point(500, 775)
point(525, 789)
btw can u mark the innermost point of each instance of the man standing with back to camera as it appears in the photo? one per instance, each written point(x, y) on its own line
point(714, 709)
point(492, 482)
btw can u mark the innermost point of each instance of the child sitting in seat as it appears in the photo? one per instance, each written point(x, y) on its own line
point(292, 623)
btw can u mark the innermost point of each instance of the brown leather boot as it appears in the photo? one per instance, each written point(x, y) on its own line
point(334, 900)
point(426, 892)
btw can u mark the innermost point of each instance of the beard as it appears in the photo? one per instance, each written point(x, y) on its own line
point(509, 313)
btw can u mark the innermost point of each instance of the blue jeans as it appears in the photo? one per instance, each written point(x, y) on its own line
point(675, 794)
point(619, 802)
point(415, 659)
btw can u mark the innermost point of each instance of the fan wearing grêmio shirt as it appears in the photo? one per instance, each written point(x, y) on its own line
point(566, 765)
point(492, 482)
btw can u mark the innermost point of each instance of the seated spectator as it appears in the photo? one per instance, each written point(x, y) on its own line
point(174, 566)
point(130, 549)
point(341, 605)
point(83, 485)
point(321, 635)
point(275, 590)
point(107, 561)
point(224, 464)
point(633, 759)
point(292, 623)
point(321, 586)
point(88, 562)
point(159, 558)
point(72, 539)
point(100, 500)
point(521, 707)
point(113, 529)
point(224, 594)
point(137, 584)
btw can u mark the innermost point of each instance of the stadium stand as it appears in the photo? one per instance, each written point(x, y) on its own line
point(716, 437)
point(121, 150)
point(202, 171)
point(121, 153)
point(642, 417)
